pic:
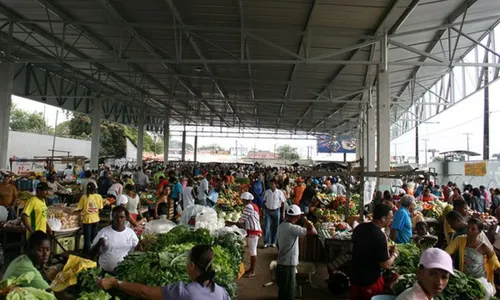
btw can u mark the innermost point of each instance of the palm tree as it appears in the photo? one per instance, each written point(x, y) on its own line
point(287, 152)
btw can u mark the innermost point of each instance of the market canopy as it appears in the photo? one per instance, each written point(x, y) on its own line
point(299, 66)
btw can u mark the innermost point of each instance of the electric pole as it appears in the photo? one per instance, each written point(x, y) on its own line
point(467, 134)
point(425, 150)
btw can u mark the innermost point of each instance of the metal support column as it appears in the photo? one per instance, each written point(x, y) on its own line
point(183, 157)
point(166, 142)
point(371, 133)
point(96, 133)
point(383, 112)
point(486, 129)
point(140, 139)
point(417, 156)
point(195, 148)
point(6, 84)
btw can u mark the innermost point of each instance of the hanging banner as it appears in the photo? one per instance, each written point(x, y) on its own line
point(475, 168)
point(336, 144)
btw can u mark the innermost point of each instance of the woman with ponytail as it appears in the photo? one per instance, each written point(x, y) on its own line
point(201, 287)
point(90, 204)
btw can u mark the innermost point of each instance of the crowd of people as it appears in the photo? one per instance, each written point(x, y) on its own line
point(280, 200)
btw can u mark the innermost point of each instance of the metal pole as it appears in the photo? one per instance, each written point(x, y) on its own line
point(467, 134)
point(486, 129)
point(416, 144)
point(425, 150)
point(54, 139)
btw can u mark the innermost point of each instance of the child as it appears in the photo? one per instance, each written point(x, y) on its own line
point(422, 237)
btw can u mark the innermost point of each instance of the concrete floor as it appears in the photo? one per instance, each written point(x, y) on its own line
point(252, 288)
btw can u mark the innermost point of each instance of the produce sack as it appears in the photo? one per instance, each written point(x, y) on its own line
point(68, 276)
point(4, 213)
point(209, 220)
point(488, 289)
point(159, 226)
point(238, 232)
point(193, 211)
point(54, 223)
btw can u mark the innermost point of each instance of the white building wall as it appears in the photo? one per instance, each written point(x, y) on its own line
point(27, 145)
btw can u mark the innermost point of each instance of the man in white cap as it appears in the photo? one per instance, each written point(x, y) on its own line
point(288, 251)
point(251, 221)
point(433, 273)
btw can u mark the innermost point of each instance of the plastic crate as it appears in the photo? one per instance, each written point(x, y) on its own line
point(67, 242)
point(81, 241)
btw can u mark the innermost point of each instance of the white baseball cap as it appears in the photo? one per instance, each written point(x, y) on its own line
point(435, 258)
point(294, 210)
point(246, 196)
point(122, 200)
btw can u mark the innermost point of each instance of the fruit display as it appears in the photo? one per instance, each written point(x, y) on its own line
point(327, 215)
point(435, 209)
point(24, 195)
point(230, 216)
point(229, 197)
point(70, 217)
point(325, 198)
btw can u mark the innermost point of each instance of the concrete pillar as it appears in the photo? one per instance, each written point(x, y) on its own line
point(195, 148)
point(383, 121)
point(166, 142)
point(6, 85)
point(140, 139)
point(371, 133)
point(183, 156)
point(96, 133)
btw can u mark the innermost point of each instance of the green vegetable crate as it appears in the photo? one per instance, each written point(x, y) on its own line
point(67, 242)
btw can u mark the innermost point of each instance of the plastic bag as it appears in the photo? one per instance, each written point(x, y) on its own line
point(159, 226)
point(208, 220)
point(69, 274)
point(4, 214)
point(488, 289)
point(238, 232)
point(193, 211)
point(54, 223)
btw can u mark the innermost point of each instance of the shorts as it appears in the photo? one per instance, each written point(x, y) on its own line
point(253, 241)
point(366, 292)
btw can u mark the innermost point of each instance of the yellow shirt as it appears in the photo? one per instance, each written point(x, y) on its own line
point(36, 210)
point(90, 206)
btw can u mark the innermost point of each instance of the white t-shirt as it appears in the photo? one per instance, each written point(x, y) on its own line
point(288, 243)
point(203, 190)
point(414, 293)
point(187, 196)
point(132, 204)
point(68, 174)
point(117, 245)
point(273, 200)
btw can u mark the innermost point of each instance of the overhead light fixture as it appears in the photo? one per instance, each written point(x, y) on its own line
point(198, 69)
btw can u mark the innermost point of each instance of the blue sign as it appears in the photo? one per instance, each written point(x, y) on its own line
point(336, 144)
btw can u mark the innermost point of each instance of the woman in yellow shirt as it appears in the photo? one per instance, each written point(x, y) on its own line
point(475, 254)
point(90, 204)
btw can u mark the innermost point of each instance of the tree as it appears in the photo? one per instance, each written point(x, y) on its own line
point(287, 152)
point(24, 121)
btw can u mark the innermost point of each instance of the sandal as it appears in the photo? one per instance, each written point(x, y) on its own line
point(249, 275)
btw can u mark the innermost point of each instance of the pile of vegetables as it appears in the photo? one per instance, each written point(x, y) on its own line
point(408, 258)
point(163, 260)
point(12, 287)
point(436, 209)
point(460, 287)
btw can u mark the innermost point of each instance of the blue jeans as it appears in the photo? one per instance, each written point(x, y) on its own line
point(89, 233)
point(304, 208)
point(272, 220)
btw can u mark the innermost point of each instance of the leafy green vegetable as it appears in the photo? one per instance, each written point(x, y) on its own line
point(407, 261)
point(404, 282)
point(30, 293)
point(461, 287)
point(87, 280)
point(18, 281)
point(100, 295)
point(165, 260)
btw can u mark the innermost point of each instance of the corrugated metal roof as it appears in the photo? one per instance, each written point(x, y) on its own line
point(236, 57)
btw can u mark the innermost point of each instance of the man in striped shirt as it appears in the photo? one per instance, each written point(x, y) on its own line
point(250, 219)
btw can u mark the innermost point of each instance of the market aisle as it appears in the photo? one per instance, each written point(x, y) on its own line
point(252, 288)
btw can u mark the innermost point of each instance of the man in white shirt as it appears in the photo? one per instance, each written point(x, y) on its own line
point(433, 273)
point(274, 200)
point(68, 173)
point(141, 180)
point(288, 251)
point(187, 196)
point(203, 191)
